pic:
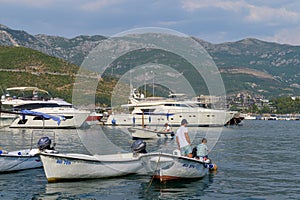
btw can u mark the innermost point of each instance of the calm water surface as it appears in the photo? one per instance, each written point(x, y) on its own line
point(259, 160)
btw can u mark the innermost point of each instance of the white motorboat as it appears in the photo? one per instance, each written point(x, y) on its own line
point(157, 111)
point(165, 167)
point(63, 167)
point(35, 99)
point(19, 160)
point(26, 158)
point(148, 133)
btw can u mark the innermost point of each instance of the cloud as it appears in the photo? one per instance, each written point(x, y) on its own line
point(192, 5)
point(271, 15)
point(248, 12)
point(98, 4)
point(286, 36)
point(212, 20)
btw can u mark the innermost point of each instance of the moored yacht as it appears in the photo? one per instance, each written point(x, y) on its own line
point(157, 111)
point(35, 99)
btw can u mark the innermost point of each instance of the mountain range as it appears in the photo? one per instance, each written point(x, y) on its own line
point(250, 65)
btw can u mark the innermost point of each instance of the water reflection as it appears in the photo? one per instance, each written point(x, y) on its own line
point(183, 188)
point(129, 187)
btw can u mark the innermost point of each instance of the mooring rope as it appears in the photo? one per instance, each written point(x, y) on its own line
point(150, 183)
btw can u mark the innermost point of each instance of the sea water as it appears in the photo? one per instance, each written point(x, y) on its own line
point(258, 160)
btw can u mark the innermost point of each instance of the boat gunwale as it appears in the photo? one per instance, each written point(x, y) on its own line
point(91, 158)
point(20, 156)
point(173, 156)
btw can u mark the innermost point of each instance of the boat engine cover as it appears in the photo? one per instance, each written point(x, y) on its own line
point(44, 143)
point(139, 146)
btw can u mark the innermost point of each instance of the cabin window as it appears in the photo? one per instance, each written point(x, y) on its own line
point(182, 105)
point(208, 115)
point(36, 106)
point(176, 105)
point(22, 121)
point(68, 117)
point(39, 118)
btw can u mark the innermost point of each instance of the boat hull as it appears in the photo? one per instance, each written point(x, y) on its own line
point(63, 167)
point(74, 119)
point(201, 118)
point(167, 167)
point(18, 160)
point(144, 133)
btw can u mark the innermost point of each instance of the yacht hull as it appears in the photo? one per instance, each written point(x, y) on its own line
point(196, 119)
point(73, 119)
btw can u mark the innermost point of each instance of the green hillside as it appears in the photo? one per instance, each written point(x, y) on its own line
point(33, 61)
point(26, 67)
point(20, 66)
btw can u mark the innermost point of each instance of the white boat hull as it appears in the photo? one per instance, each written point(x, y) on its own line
point(74, 119)
point(18, 160)
point(61, 167)
point(196, 119)
point(145, 133)
point(166, 167)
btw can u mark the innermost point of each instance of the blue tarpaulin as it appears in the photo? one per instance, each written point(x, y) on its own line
point(43, 115)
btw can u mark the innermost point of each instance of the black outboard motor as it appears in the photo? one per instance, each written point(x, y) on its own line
point(194, 153)
point(139, 146)
point(44, 143)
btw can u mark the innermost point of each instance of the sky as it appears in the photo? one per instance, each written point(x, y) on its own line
point(215, 21)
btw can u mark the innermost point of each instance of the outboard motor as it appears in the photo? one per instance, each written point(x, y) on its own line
point(194, 153)
point(44, 143)
point(139, 146)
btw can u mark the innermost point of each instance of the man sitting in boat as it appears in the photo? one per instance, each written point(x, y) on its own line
point(202, 149)
point(167, 128)
point(183, 140)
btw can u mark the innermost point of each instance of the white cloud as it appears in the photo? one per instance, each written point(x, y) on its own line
point(250, 12)
point(212, 20)
point(271, 15)
point(98, 4)
point(286, 36)
point(192, 5)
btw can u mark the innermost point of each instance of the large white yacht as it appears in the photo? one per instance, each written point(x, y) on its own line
point(158, 111)
point(38, 100)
